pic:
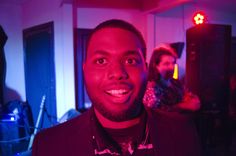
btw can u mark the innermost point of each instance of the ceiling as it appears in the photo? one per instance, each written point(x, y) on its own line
point(144, 5)
point(157, 5)
point(220, 5)
point(13, 2)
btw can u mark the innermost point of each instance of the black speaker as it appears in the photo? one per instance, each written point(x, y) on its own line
point(233, 57)
point(207, 64)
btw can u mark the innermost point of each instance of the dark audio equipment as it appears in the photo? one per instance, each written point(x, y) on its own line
point(207, 64)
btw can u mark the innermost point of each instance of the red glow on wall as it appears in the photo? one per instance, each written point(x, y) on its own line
point(199, 18)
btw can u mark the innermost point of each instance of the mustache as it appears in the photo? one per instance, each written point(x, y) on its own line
point(121, 84)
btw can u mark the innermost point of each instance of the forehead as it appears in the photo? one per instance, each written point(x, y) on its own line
point(109, 37)
point(169, 58)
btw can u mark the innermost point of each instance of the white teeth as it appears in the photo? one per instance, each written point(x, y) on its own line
point(117, 92)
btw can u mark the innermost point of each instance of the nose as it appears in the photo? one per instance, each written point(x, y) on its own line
point(117, 71)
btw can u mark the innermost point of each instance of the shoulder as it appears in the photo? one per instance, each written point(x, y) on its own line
point(59, 139)
point(69, 126)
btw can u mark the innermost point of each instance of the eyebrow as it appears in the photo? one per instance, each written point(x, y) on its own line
point(129, 52)
point(133, 52)
point(101, 52)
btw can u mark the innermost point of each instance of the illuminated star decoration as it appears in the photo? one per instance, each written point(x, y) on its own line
point(199, 18)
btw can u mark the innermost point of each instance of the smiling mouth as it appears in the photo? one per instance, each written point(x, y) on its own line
point(117, 92)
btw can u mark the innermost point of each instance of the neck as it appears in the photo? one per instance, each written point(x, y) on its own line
point(113, 124)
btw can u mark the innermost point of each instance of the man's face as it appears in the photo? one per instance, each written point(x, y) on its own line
point(115, 73)
point(166, 66)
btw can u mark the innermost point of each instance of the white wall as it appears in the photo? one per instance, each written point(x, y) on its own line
point(10, 20)
point(171, 26)
point(39, 12)
point(90, 17)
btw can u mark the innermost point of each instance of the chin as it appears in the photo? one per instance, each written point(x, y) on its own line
point(123, 114)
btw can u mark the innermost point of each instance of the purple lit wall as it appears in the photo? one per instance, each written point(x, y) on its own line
point(10, 19)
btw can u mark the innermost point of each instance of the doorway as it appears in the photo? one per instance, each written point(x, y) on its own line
point(82, 99)
point(40, 72)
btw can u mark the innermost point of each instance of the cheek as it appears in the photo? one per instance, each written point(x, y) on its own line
point(93, 78)
point(139, 77)
point(163, 69)
point(93, 82)
point(159, 69)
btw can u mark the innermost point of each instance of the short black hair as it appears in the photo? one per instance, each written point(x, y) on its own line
point(117, 23)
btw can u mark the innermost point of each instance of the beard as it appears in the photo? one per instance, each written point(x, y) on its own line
point(168, 74)
point(132, 112)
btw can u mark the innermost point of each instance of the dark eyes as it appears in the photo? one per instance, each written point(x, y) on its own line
point(131, 61)
point(101, 61)
point(127, 61)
